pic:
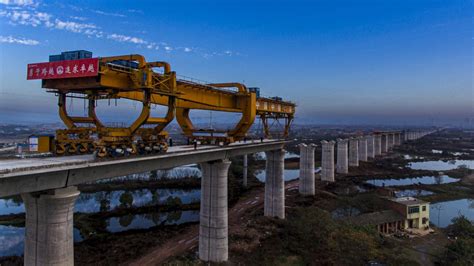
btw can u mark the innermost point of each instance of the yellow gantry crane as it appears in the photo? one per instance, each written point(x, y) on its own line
point(131, 77)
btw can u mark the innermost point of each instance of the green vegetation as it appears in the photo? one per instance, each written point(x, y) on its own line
point(235, 188)
point(461, 172)
point(312, 237)
point(461, 250)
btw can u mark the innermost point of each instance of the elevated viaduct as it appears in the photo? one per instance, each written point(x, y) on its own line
point(48, 189)
point(48, 186)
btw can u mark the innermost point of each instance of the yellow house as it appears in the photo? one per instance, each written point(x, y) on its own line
point(415, 211)
point(405, 214)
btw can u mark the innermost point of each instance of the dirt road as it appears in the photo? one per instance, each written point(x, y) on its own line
point(190, 238)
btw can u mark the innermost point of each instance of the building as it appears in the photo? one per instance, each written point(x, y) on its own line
point(40, 143)
point(415, 211)
point(386, 222)
point(405, 214)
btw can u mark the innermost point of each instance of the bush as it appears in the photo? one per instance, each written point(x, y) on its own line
point(461, 251)
point(126, 199)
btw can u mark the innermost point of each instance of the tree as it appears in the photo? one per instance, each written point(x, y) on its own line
point(461, 251)
point(126, 199)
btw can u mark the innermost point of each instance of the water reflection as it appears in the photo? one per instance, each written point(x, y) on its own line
point(441, 165)
point(412, 157)
point(412, 193)
point(425, 180)
point(345, 212)
point(441, 213)
point(288, 155)
point(109, 200)
point(289, 174)
point(184, 171)
point(12, 240)
point(148, 220)
point(11, 206)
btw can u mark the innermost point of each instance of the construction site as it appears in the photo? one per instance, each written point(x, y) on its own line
point(76, 74)
point(237, 133)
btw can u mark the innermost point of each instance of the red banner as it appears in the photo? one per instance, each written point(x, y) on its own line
point(64, 69)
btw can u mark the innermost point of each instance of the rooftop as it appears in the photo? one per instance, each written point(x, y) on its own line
point(376, 218)
point(408, 200)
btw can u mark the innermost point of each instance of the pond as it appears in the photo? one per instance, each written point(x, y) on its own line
point(425, 180)
point(441, 165)
point(11, 206)
point(344, 212)
point(412, 193)
point(290, 174)
point(12, 240)
point(190, 170)
point(441, 213)
point(288, 155)
point(109, 200)
point(148, 220)
point(412, 157)
point(457, 153)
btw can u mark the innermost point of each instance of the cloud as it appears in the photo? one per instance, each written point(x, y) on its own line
point(124, 38)
point(24, 12)
point(19, 2)
point(22, 17)
point(108, 14)
point(135, 11)
point(11, 39)
point(78, 18)
point(35, 19)
point(74, 26)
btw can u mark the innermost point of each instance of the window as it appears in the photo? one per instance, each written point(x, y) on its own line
point(414, 209)
point(424, 220)
point(423, 208)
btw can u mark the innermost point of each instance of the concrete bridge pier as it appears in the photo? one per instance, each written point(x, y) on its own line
point(306, 180)
point(384, 143)
point(245, 171)
point(398, 139)
point(377, 145)
point(213, 226)
point(363, 149)
point(327, 161)
point(275, 184)
point(353, 152)
point(370, 146)
point(49, 227)
point(389, 141)
point(342, 166)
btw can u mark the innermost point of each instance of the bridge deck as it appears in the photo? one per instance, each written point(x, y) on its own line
point(37, 174)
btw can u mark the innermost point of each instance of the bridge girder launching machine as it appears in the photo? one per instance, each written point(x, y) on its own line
point(131, 77)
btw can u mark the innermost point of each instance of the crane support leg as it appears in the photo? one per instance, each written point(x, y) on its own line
point(75, 139)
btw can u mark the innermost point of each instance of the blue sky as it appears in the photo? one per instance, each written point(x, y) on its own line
point(386, 62)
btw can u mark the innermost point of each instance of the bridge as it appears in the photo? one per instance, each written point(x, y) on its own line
point(48, 186)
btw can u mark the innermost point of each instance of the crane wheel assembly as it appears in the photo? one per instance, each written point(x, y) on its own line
point(76, 74)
